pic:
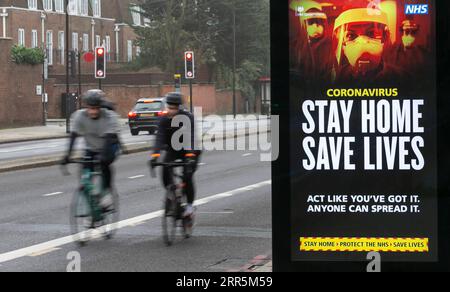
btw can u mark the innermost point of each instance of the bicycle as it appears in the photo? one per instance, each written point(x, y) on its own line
point(174, 205)
point(86, 213)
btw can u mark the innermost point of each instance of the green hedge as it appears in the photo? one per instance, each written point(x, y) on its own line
point(22, 55)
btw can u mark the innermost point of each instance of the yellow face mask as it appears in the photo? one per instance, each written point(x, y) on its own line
point(363, 53)
point(315, 31)
point(408, 40)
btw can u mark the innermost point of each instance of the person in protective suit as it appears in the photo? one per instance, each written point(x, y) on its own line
point(407, 54)
point(361, 40)
point(311, 46)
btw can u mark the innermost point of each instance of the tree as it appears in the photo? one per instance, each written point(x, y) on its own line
point(206, 26)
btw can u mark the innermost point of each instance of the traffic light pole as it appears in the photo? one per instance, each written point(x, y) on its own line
point(234, 60)
point(190, 95)
point(79, 80)
point(66, 2)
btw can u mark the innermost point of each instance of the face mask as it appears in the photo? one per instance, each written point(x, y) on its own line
point(363, 53)
point(408, 40)
point(315, 31)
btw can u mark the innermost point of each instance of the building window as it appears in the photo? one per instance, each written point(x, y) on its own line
point(48, 5)
point(98, 41)
point(130, 51)
point(21, 37)
point(136, 15)
point(83, 7)
point(97, 8)
point(50, 47)
point(61, 45)
point(138, 51)
point(147, 22)
point(73, 7)
point(59, 6)
point(85, 42)
point(75, 41)
point(32, 4)
point(34, 38)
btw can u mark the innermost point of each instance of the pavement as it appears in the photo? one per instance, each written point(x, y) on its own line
point(232, 233)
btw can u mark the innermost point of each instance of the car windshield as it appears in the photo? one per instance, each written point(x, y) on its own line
point(149, 106)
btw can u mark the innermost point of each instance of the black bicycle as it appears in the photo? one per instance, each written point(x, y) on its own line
point(174, 203)
point(87, 213)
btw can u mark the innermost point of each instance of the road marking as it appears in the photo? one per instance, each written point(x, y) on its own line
point(53, 194)
point(136, 143)
point(37, 254)
point(202, 164)
point(137, 176)
point(57, 243)
point(214, 213)
point(246, 154)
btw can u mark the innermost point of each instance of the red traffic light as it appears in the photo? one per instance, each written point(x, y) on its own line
point(188, 56)
point(100, 51)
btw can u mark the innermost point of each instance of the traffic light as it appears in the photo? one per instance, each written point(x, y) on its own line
point(100, 65)
point(189, 65)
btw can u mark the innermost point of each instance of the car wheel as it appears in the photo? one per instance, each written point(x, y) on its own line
point(134, 132)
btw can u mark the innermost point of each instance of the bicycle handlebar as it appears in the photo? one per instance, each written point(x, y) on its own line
point(167, 164)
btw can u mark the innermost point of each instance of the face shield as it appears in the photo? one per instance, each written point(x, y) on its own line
point(359, 40)
point(311, 17)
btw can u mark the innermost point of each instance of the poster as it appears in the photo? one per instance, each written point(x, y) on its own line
point(363, 130)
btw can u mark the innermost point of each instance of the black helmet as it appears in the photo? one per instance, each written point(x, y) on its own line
point(174, 98)
point(94, 97)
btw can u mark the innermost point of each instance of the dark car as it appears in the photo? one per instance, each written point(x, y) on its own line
point(145, 115)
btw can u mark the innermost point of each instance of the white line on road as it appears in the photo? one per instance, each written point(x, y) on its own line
point(53, 194)
point(57, 243)
point(214, 213)
point(246, 154)
point(137, 176)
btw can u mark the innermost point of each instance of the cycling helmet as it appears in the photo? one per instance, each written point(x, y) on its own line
point(174, 98)
point(94, 97)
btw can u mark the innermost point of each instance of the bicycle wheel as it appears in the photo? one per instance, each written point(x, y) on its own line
point(80, 218)
point(169, 220)
point(111, 217)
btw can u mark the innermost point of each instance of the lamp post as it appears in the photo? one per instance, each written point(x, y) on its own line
point(234, 59)
point(67, 68)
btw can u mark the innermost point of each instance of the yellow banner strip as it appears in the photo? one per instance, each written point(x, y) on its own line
point(354, 244)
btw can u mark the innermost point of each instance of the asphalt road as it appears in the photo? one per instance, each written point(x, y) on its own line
point(233, 219)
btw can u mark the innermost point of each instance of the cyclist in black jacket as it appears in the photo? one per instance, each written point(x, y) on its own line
point(188, 153)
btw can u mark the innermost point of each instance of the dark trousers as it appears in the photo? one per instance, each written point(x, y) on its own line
point(105, 167)
point(188, 175)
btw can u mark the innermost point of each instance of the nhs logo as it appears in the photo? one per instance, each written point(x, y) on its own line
point(416, 9)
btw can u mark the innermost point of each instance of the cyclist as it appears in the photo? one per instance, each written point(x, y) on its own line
point(100, 128)
point(188, 154)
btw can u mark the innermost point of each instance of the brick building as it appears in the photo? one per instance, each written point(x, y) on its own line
point(41, 23)
point(111, 23)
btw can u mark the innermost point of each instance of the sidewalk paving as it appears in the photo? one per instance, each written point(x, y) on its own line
point(32, 134)
point(53, 130)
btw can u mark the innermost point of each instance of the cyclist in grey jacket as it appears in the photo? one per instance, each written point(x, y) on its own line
point(100, 128)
